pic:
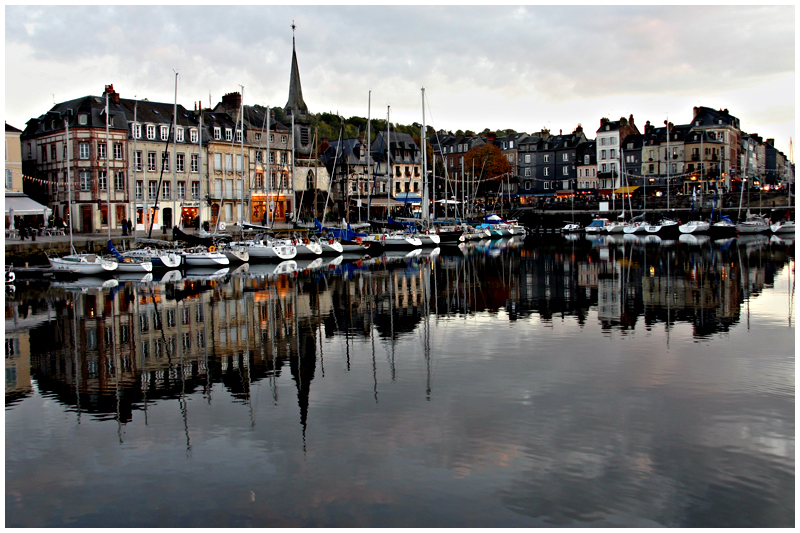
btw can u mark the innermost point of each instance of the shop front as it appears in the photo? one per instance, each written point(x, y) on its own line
point(268, 208)
point(189, 214)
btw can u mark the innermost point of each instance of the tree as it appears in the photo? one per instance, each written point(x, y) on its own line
point(489, 164)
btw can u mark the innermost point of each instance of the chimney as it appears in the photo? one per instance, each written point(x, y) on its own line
point(771, 142)
point(695, 110)
point(231, 101)
point(630, 119)
point(325, 145)
point(112, 94)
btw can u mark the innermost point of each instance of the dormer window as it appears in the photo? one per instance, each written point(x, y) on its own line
point(193, 135)
point(179, 135)
point(217, 133)
point(83, 119)
point(228, 134)
point(151, 132)
point(238, 136)
point(164, 133)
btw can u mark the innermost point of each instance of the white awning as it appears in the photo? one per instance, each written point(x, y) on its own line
point(22, 205)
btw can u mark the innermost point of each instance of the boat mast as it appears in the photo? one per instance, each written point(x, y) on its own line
point(132, 181)
point(666, 123)
point(108, 176)
point(241, 173)
point(200, 166)
point(69, 187)
point(425, 206)
point(268, 176)
point(175, 154)
point(388, 164)
point(369, 150)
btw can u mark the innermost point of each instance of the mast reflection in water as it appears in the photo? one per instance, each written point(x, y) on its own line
point(553, 382)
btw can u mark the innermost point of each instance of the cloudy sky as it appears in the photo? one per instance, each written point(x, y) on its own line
point(520, 67)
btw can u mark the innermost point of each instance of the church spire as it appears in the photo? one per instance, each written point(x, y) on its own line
point(295, 104)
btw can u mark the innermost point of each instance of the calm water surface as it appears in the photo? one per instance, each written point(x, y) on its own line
point(549, 382)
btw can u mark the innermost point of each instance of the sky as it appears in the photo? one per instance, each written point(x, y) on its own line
point(524, 67)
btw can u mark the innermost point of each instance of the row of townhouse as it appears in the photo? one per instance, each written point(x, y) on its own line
point(225, 164)
point(384, 173)
point(710, 153)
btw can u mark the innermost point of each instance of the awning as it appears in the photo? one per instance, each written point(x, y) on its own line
point(383, 202)
point(625, 190)
point(408, 198)
point(22, 205)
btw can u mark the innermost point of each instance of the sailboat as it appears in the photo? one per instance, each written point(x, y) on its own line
point(136, 265)
point(85, 264)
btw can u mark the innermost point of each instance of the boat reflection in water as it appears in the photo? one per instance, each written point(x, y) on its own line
point(598, 380)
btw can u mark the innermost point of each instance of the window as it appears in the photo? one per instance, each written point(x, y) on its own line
point(83, 119)
point(9, 178)
point(164, 133)
point(228, 134)
point(603, 167)
point(44, 154)
point(179, 135)
point(586, 159)
point(229, 162)
point(528, 171)
point(119, 181)
point(217, 133)
point(284, 158)
point(217, 161)
point(165, 191)
point(546, 171)
point(165, 161)
point(258, 156)
point(238, 135)
point(651, 168)
point(83, 150)
point(137, 161)
point(612, 140)
point(102, 182)
point(151, 161)
point(101, 150)
point(195, 190)
point(565, 157)
point(117, 150)
point(258, 137)
point(527, 158)
point(53, 152)
point(238, 163)
point(272, 158)
point(193, 136)
point(602, 154)
point(181, 190)
point(65, 151)
point(139, 192)
point(137, 131)
point(283, 139)
point(546, 158)
point(85, 180)
point(271, 138)
point(546, 184)
point(180, 163)
point(602, 141)
point(613, 154)
point(195, 163)
point(151, 132)
point(566, 171)
point(152, 190)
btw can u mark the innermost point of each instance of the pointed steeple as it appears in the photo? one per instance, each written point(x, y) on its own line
point(295, 105)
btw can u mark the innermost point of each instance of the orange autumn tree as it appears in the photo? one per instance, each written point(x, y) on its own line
point(490, 165)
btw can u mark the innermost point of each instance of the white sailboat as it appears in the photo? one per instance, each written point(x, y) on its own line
point(85, 264)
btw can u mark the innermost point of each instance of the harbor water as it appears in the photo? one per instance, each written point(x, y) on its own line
point(547, 381)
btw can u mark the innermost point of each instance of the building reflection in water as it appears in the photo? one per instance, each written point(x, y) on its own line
point(108, 352)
